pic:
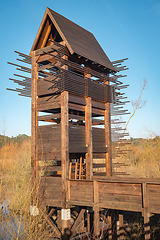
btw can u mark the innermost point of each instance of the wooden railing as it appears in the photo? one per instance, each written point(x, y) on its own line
point(112, 193)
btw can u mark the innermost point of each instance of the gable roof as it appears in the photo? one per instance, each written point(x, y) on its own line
point(77, 39)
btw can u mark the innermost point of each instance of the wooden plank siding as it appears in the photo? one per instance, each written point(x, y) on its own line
point(45, 87)
point(120, 196)
point(81, 192)
point(77, 139)
point(49, 139)
point(99, 140)
point(52, 190)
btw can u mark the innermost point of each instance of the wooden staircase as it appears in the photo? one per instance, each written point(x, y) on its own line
point(77, 170)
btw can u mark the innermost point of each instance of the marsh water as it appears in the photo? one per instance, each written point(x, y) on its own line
point(11, 227)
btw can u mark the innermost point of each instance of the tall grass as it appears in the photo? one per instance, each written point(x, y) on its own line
point(143, 157)
point(15, 194)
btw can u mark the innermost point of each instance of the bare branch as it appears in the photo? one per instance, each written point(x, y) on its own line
point(137, 104)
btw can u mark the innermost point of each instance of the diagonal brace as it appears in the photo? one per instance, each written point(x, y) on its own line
point(54, 227)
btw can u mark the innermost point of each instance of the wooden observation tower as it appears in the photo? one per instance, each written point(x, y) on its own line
point(76, 96)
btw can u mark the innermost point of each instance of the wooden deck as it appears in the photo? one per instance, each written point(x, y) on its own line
point(100, 194)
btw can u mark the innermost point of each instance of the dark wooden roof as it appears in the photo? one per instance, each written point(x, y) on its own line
point(77, 39)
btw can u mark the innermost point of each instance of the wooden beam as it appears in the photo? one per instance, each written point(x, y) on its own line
point(49, 215)
point(108, 141)
point(88, 136)
point(114, 224)
point(121, 231)
point(46, 36)
point(64, 145)
point(77, 221)
point(34, 124)
point(50, 222)
point(110, 224)
point(64, 154)
point(88, 221)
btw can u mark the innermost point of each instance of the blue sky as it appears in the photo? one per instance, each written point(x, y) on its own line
point(123, 28)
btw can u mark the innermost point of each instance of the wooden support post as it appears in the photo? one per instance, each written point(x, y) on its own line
point(91, 221)
point(110, 223)
point(114, 225)
point(120, 230)
point(64, 145)
point(34, 124)
point(64, 153)
point(146, 224)
point(108, 141)
point(96, 210)
point(59, 218)
point(112, 233)
point(88, 133)
point(88, 222)
point(146, 212)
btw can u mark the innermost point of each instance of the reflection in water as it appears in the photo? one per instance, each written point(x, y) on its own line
point(11, 226)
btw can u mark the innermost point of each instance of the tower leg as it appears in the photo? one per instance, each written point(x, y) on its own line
point(120, 230)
